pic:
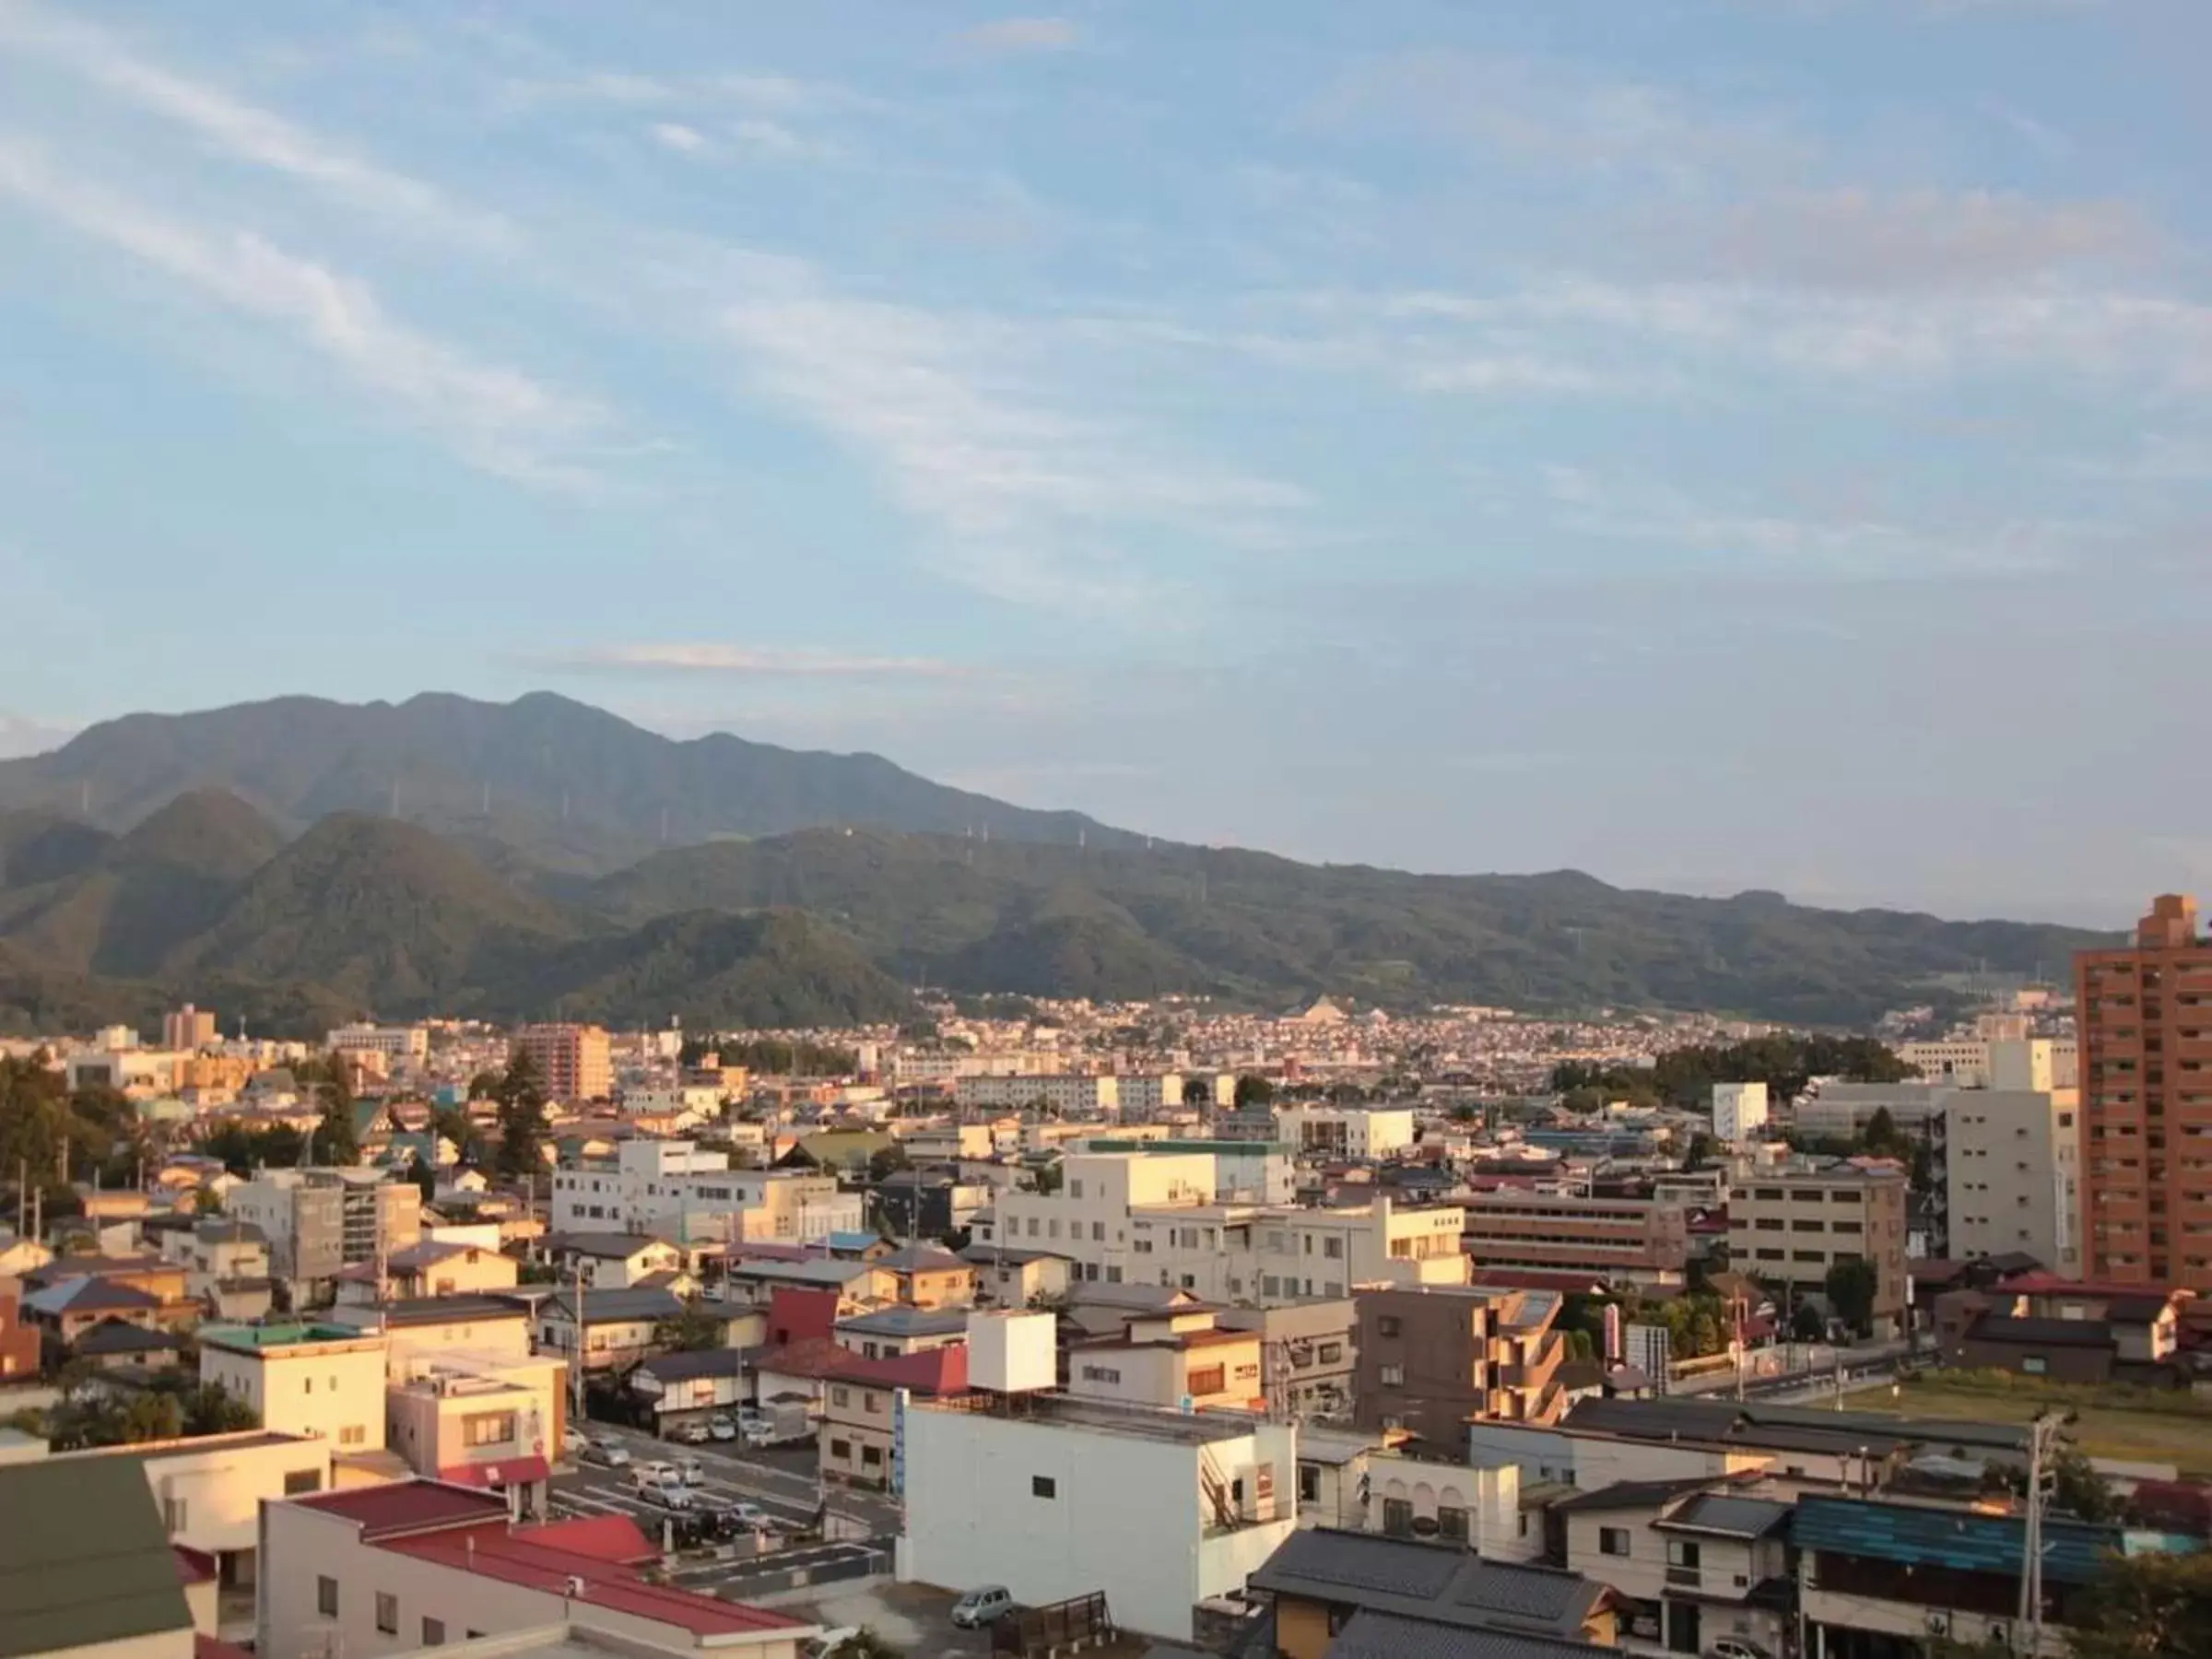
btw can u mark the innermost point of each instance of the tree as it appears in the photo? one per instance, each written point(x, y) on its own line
point(1197, 1091)
point(522, 1096)
point(424, 1177)
point(1049, 1179)
point(211, 1408)
point(2146, 1606)
point(1806, 1323)
point(1851, 1287)
point(887, 1160)
point(868, 1643)
point(1255, 1092)
point(207, 1202)
point(454, 1124)
point(693, 1331)
point(334, 1141)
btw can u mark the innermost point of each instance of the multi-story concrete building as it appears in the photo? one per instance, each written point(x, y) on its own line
point(1058, 1091)
point(1739, 1111)
point(573, 1062)
point(1431, 1356)
point(187, 1030)
point(1157, 1509)
point(1975, 1061)
point(1244, 1171)
point(1350, 1132)
point(319, 1221)
point(407, 1045)
point(326, 1380)
point(2011, 1173)
point(1308, 1352)
point(1621, 1240)
point(1793, 1222)
point(1172, 1362)
point(682, 1191)
point(2145, 1017)
point(1839, 1111)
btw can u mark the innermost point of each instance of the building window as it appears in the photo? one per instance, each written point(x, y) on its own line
point(1681, 1552)
point(1452, 1522)
point(433, 1632)
point(353, 1435)
point(1394, 1376)
point(387, 1612)
point(1387, 1325)
point(487, 1429)
point(1308, 1483)
point(326, 1597)
point(1397, 1517)
point(841, 1396)
point(1331, 1352)
point(1100, 1373)
point(1612, 1540)
point(871, 1457)
point(297, 1481)
point(842, 1449)
point(1333, 1248)
point(173, 1514)
point(1210, 1381)
point(872, 1401)
point(1043, 1485)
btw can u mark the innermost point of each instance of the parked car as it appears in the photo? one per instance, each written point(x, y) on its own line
point(574, 1443)
point(656, 1468)
point(750, 1517)
point(985, 1605)
point(664, 1486)
point(720, 1428)
point(693, 1472)
point(694, 1434)
point(612, 1452)
point(1736, 1647)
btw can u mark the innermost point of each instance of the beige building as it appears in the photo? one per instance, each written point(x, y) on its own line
point(1175, 1361)
point(573, 1062)
point(479, 1422)
point(1621, 1240)
point(1350, 1132)
point(411, 1565)
point(324, 1380)
point(1793, 1222)
point(2011, 1174)
point(210, 1488)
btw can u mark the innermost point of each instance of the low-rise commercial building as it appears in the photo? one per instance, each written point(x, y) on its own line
point(1694, 1561)
point(1309, 1353)
point(317, 1221)
point(1360, 1133)
point(1642, 1241)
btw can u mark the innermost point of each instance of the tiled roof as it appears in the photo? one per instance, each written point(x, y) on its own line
point(112, 1336)
point(1439, 1583)
point(2040, 1332)
point(617, 1307)
point(1372, 1635)
point(445, 1310)
point(922, 1258)
point(1910, 1534)
point(90, 1296)
point(605, 1246)
point(1730, 1516)
point(907, 1321)
point(1631, 1494)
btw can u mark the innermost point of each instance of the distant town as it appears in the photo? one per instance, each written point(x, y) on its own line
point(1134, 1327)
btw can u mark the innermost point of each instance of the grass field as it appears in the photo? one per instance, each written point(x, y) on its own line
point(2102, 1432)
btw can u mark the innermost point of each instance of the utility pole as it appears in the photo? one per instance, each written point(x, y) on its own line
point(2043, 1447)
point(581, 1342)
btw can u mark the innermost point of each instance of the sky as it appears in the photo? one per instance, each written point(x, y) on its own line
point(1710, 443)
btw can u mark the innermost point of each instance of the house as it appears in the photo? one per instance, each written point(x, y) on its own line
point(612, 1260)
point(484, 1424)
point(437, 1268)
point(1010, 1277)
point(929, 1278)
point(85, 1568)
point(1308, 1352)
point(889, 1332)
point(164, 1281)
point(860, 1285)
point(226, 1268)
point(1171, 1363)
point(120, 1349)
point(620, 1327)
point(2040, 1325)
point(1693, 1560)
point(1319, 1581)
point(393, 1568)
point(685, 1386)
point(303, 1377)
point(209, 1488)
point(1057, 1497)
point(1103, 1310)
point(1879, 1577)
point(65, 1311)
point(18, 1341)
point(492, 1327)
point(865, 1401)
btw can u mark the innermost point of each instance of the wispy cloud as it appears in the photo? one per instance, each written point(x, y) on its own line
point(241, 131)
point(499, 419)
point(752, 661)
point(1024, 35)
point(1029, 497)
point(675, 135)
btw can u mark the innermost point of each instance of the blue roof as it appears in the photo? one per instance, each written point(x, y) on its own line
point(854, 1241)
point(2073, 1552)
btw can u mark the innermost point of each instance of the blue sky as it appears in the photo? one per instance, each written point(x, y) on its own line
point(1713, 444)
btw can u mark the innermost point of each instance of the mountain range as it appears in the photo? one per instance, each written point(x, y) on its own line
point(549, 860)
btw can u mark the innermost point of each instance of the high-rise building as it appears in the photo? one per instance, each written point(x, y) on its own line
point(572, 1060)
point(187, 1030)
point(2144, 1015)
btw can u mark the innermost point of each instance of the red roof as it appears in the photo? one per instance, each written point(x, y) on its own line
point(527, 1557)
point(402, 1506)
point(615, 1539)
point(503, 1472)
point(210, 1647)
point(933, 1370)
point(2051, 1284)
point(195, 1566)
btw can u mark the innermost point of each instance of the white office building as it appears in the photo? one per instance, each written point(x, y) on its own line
point(675, 1189)
point(1739, 1111)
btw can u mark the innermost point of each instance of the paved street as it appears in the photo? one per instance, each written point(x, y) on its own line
point(782, 1483)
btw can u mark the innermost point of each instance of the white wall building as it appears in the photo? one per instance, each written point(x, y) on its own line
point(1059, 1091)
point(2012, 1171)
point(324, 1380)
point(1355, 1132)
point(1739, 1111)
point(1158, 1511)
point(675, 1189)
point(410, 1043)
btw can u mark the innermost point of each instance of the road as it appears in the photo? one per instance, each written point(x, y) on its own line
point(780, 1483)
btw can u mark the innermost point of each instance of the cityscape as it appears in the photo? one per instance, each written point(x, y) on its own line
point(876, 831)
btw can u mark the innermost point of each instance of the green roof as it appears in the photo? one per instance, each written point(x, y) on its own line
point(1220, 1148)
point(84, 1558)
point(289, 1335)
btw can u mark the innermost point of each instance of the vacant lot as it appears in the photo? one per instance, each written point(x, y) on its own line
point(2104, 1430)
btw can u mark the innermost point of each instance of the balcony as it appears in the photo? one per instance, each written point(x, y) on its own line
point(1684, 1578)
